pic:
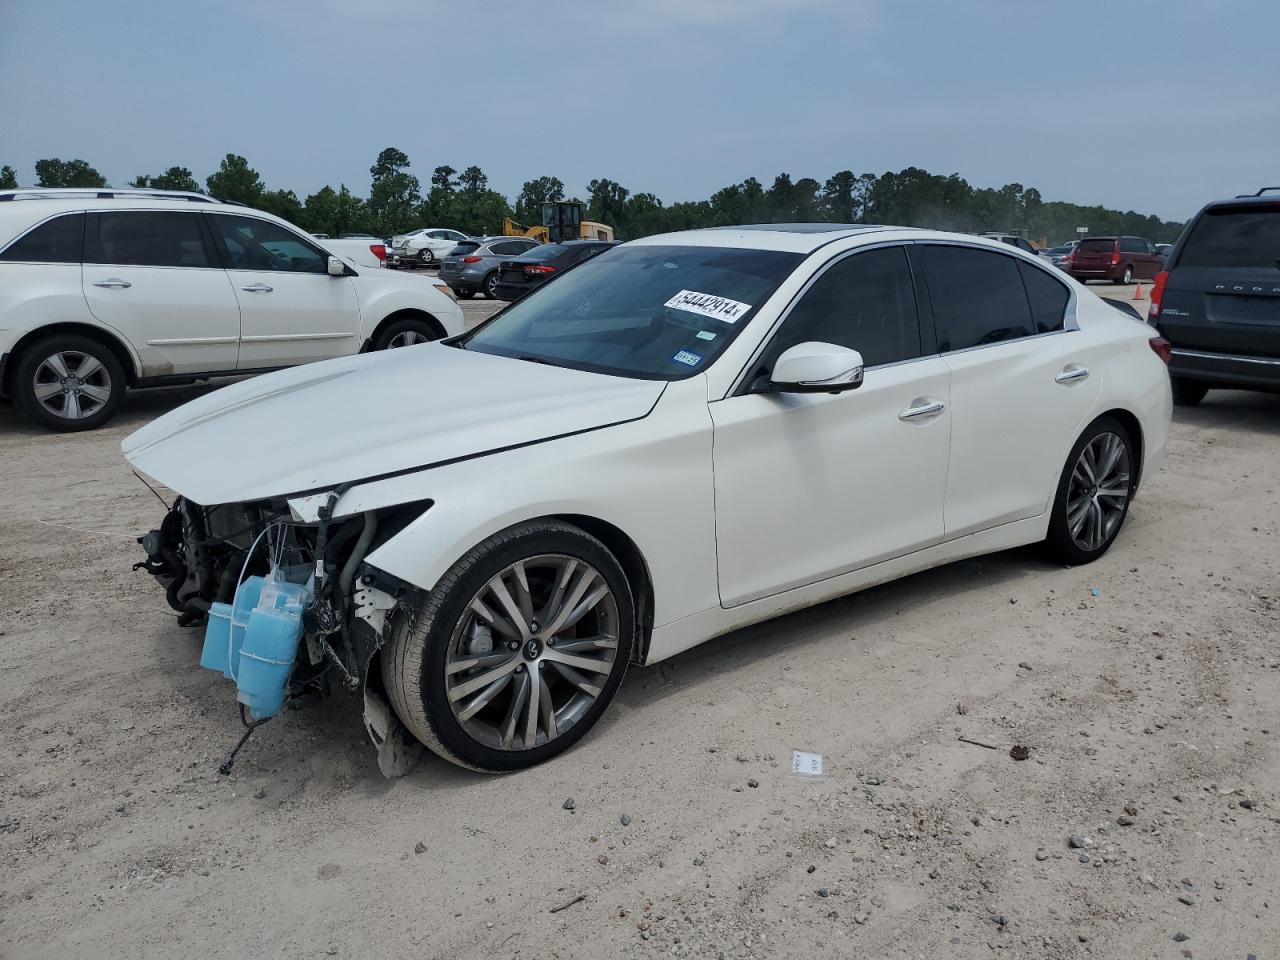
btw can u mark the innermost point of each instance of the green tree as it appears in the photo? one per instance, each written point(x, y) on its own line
point(533, 195)
point(175, 178)
point(53, 172)
point(283, 203)
point(607, 203)
point(438, 208)
point(236, 181)
point(395, 197)
point(838, 196)
point(8, 178)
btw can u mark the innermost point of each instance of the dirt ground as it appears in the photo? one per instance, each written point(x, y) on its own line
point(1146, 688)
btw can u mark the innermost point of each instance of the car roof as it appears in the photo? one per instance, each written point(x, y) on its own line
point(790, 237)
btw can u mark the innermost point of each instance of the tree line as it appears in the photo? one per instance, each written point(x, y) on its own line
point(463, 200)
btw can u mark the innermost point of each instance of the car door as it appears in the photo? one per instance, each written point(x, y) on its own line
point(1021, 381)
point(291, 310)
point(153, 276)
point(1154, 261)
point(810, 486)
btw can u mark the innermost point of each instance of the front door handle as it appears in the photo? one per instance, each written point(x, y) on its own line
point(1072, 373)
point(258, 288)
point(115, 283)
point(930, 408)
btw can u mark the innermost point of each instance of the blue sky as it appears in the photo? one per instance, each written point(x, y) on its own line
point(1153, 106)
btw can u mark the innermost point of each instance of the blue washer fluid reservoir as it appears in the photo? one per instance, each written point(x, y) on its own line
point(224, 631)
point(269, 647)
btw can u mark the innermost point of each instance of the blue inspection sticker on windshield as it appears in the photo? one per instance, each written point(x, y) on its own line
point(687, 358)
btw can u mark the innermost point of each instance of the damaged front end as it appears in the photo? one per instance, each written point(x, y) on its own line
point(289, 607)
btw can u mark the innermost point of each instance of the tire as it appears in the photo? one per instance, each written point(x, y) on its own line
point(71, 403)
point(426, 256)
point(1127, 277)
point(463, 294)
point(1104, 513)
point(489, 285)
point(1187, 393)
point(405, 333)
point(447, 631)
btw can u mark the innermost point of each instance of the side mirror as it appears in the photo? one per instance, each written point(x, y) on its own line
point(336, 267)
point(817, 368)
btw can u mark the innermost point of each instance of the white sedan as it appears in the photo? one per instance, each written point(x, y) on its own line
point(424, 245)
point(682, 436)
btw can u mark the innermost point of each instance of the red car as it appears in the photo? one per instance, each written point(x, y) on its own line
point(1114, 259)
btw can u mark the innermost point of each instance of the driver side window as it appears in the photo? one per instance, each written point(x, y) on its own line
point(865, 302)
point(252, 244)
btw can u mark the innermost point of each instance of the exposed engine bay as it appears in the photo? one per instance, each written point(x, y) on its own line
point(289, 607)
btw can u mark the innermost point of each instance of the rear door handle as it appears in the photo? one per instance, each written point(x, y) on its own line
point(258, 288)
point(1072, 372)
point(115, 283)
point(930, 408)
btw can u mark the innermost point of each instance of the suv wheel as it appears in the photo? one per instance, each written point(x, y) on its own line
point(68, 383)
point(1187, 393)
point(1093, 493)
point(490, 285)
point(517, 651)
point(405, 333)
point(1127, 276)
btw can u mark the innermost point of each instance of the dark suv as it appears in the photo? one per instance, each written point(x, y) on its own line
point(1115, 259)
point(1218, 300)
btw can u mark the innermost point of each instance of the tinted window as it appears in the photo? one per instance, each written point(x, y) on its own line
point(977, 297)
point(1048, 298)
point(1234, 237)
point(462, 249)
point(1096, 246)
point(653, 312)
point(865, 302)
point(253, 244)
point(54, 241)
point(146, 238)
point(508, 248)
point(1133, 245)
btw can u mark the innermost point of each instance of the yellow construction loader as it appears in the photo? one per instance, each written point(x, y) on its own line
point(561, 220)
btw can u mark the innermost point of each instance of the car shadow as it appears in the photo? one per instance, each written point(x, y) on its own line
point(137, 408)
point(1236, 411)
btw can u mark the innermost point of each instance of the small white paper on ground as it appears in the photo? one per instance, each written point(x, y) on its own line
point(805, 764)
point(708, 305)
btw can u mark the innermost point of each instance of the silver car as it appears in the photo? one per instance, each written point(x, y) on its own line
point(472, 266)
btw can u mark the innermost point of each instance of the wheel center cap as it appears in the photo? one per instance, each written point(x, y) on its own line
point(1093, 491)
point(532, 648)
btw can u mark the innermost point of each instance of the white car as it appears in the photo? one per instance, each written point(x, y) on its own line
point(684, 435)
point(424, 245)
point(101, 290)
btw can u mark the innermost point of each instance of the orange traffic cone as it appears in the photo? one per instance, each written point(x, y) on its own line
point(1137, 294)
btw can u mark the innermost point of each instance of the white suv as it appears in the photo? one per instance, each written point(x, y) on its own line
point(106, 289)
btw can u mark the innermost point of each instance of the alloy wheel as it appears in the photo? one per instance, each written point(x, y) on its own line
point(532, 652)
point(72, 385)
point(1099, 491)
point(407, 338)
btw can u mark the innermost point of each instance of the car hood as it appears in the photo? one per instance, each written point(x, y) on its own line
point(323, 424)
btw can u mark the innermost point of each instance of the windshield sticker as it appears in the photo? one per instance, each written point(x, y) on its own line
point(720, 308)
point(687, 358)
point(706, 335)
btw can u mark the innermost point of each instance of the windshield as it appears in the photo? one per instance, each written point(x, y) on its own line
point(656, 313)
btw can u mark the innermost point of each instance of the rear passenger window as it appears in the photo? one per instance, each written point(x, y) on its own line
point(977, 296)
point(54, 241)
point(865, 302)
point(146, 238)
point(1047, 296)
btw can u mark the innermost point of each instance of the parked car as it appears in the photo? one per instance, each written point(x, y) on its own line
point(688, 434)
point(1014, 241)
point(530, 270)
point(471, 267)
point(1164, 249)
point(106, 289)
point(422, 246)
point(1218, 299)
point(1114, 259)
point(362, 251)
point(1058, 256)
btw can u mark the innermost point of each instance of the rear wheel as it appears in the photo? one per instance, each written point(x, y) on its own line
point(405, 333)
point(68, 383)
point(1094, 492)
point(1127, 276)
point(427, 256)
point(517, 651)
point(1187, 393)
point(491, 286)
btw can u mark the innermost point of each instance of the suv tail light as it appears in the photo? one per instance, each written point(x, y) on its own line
point(472, 259)
point(538, 268)
point(379, 250)
point(1115, 258)
point(1162, 349)
point(1157, 293)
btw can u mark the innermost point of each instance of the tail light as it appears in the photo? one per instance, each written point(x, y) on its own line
point(472, 259)
point(1162, 348)
point(1115, 259)
point(538, 268)
point(1157, 293)
point(379, 250)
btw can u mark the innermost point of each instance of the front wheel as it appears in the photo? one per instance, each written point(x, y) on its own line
point(405, 333)
point(1187, 393)
point(1093, 495)
point(490, 286)
point(517, 651)
point(1127, 276)
point(69, 383)
point(427, 256)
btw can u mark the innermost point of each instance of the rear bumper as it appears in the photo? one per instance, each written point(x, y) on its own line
point(1107, 273)
point(513, 291)
point(1226, 369)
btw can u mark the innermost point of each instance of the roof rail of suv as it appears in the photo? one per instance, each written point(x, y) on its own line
point(1241, 196)
point(103, 193)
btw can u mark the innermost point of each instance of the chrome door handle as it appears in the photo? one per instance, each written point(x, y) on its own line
point(1071, 373)
point(924, 410)
point(258, 288)
point(115, 283)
